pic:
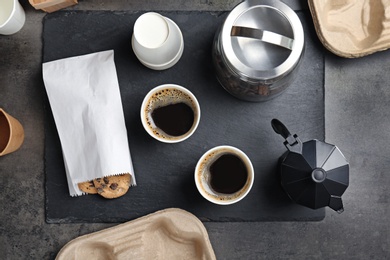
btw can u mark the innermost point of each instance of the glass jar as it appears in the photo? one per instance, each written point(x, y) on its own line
point(258, 49)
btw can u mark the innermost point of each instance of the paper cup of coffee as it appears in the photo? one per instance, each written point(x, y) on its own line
point(11, 133)
point(170, 113)
point(224, 175)
point(12, 17)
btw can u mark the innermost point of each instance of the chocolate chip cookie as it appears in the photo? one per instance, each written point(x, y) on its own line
point(88, 187)
point(112, 186)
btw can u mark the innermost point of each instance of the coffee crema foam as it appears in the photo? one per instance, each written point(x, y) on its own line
point(165, 97)
point(203, 175)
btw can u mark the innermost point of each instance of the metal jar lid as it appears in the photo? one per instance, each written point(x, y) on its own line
point(262, 39)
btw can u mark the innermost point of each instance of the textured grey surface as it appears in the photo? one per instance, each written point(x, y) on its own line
point(357, 98)
point(224, 120)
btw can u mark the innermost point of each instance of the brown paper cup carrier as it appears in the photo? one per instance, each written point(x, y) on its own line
point(50, 6)
point(353, 28)
point(11, 133)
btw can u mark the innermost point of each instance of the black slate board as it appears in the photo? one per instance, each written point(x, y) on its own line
point(164, 172)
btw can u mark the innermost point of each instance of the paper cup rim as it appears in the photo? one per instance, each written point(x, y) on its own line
point(182, 89)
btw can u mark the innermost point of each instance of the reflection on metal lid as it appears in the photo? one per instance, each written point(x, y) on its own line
point(271, 43)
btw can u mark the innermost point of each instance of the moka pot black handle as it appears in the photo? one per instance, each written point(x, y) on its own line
point(292, 143)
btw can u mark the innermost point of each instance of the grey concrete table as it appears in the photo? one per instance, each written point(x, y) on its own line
point(357, 112)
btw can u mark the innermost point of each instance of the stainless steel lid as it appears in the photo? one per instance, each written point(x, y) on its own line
point(262, 39)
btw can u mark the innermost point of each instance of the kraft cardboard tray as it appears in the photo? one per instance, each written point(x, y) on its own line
point(166, 234)
point(165, 172)
point(352, 28)
point(51, 5)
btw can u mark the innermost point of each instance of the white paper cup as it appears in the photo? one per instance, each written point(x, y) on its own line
point(12, 17)
point(157, 41)
point(203, 176)
point(164, 96)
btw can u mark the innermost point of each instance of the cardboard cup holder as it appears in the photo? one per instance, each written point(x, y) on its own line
point(352, 28)
point(166, 234)
point(50, 6)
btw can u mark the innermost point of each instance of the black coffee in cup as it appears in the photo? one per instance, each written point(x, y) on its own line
point(170, 113)
point(228, 174)
point(174, 119)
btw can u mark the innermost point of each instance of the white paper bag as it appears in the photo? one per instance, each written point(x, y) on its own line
point(85, 100)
